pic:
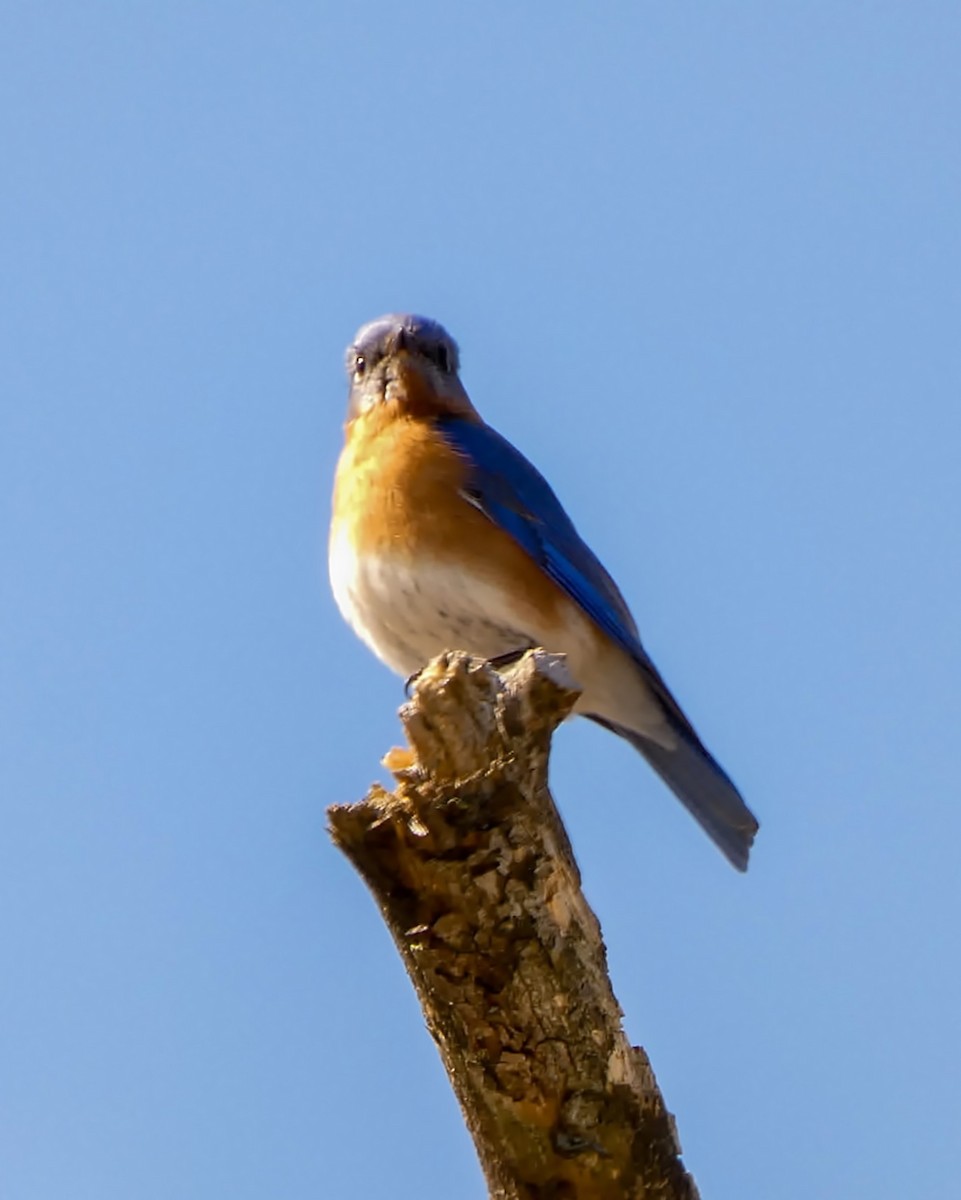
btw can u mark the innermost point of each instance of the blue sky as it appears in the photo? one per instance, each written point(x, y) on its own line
point(703, 262)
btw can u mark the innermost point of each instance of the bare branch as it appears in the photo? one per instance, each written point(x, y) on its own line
point(473, 872)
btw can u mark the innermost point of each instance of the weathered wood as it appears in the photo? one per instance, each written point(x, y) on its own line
point(473, 872)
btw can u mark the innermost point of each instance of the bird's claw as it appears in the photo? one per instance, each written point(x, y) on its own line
point(500, 661)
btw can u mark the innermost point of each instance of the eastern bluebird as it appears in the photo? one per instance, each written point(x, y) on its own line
point(445, 537)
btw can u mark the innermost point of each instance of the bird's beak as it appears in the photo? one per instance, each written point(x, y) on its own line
point(407, 378)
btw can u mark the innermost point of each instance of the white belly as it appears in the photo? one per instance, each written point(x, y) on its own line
point(407, 615)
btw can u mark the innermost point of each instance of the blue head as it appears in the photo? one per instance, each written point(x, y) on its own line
point(406, 359)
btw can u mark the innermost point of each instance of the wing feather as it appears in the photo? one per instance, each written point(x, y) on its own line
point(510, 490)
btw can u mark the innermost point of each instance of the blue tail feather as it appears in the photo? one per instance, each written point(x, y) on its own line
point(703, 788)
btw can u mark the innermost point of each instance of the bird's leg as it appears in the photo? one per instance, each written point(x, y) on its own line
point(499, 661)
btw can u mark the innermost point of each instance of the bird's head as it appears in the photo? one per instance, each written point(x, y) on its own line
point(405, 361)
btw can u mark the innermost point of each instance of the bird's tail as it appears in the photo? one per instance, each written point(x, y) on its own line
point(702, 787)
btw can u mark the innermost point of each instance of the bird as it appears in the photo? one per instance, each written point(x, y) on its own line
point(443, 536)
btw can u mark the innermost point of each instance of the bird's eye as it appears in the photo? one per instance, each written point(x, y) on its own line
point(442, 357)
point(360, 365)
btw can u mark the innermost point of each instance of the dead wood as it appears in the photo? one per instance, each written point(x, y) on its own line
point(474, 875)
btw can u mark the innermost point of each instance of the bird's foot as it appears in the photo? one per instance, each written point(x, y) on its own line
point(499, 661)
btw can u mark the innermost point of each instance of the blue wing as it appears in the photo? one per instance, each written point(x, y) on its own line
point(514, 494)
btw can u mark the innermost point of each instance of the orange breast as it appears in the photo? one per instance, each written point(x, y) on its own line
point(398, 494)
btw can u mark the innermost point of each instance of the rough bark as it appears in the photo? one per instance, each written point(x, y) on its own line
point(474, 875)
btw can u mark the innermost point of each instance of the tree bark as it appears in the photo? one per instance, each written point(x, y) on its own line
point(474, 875)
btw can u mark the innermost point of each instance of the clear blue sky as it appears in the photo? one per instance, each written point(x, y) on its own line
point(703, 261)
